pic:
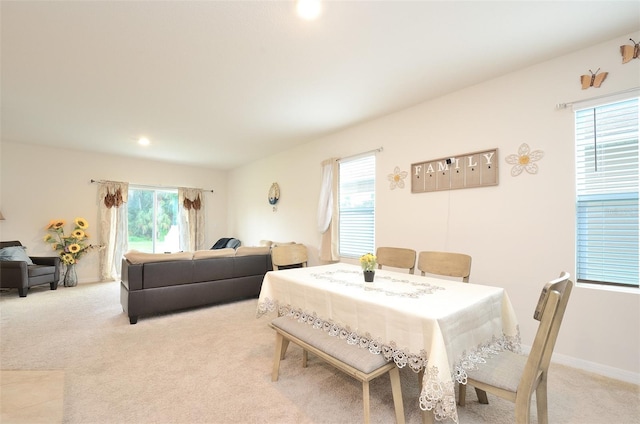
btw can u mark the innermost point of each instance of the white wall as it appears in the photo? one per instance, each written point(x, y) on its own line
point(39, 184)
point(520, 233)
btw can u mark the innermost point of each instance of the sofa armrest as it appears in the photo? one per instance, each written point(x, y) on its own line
point(14, 274)
point(131, 275)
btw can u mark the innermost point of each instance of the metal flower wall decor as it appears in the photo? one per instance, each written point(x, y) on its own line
point(396, 179)
point(524, 160)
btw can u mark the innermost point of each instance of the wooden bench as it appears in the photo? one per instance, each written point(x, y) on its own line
point(352, 360)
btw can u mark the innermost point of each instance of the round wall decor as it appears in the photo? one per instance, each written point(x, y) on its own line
point(274, 194)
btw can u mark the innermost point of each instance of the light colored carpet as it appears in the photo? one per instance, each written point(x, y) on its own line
point(213, 365)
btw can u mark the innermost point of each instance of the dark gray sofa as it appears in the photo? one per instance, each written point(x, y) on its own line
point(150, 287)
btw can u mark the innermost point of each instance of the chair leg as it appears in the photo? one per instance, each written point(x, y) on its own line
point(305, 358)
point(22, 291)
point(53, 285)
point(281, 342)
point(396, 390)
point(365, 401)
point(541, 401)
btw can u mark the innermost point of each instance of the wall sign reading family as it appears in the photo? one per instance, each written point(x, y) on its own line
point(476, 169)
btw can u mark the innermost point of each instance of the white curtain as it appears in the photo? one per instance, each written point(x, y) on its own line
point(112, 199)
point(191, 205)
point(328, 211)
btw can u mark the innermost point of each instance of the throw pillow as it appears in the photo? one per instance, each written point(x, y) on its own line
point(15, 253)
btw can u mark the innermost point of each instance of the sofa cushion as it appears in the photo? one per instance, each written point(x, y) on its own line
point(211, 269)
point(38, 270)
point(204, 254)
point(15, 253)
point(166, 274)
point(252, 250)
point(136, 257)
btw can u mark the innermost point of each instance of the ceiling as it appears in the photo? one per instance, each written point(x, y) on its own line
point(222, 83)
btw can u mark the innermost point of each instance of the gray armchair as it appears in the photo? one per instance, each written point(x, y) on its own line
point(19, 274)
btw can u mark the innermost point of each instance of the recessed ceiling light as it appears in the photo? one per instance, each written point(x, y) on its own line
point(143, 141)
point(308, 9)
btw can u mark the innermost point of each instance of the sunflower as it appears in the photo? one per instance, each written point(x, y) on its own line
point(78, 233)
point(56, 224)
point(74, 248)
point(47, 238)
point(68, 259)
point(82, 223)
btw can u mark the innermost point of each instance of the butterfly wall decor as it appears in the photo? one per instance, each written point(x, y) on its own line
point(593, 80)
point(630, 52)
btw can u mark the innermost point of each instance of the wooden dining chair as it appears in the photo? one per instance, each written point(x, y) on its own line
point(445, 263)
point(289, 256)
point(515, 377)
point(396, 257)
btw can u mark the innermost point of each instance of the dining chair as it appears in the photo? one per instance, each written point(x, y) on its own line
point(445, 263)
point(515, 377)
point(396, 257)
point(289, 256)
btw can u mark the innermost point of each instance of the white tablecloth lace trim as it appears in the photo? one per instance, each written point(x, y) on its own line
point(390, 350)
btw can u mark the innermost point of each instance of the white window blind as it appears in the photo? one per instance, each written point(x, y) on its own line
point(607, 193)
point(357, 206)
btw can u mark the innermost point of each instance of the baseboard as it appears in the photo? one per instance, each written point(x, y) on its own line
point(593, 367)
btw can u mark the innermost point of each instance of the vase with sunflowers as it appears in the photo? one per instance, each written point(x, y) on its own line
point(70, 247)
point(368, 263)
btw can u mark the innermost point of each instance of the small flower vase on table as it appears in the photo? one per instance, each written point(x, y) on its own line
point(368, 263)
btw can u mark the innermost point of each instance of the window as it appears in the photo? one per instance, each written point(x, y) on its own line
point(153, 220)
point(607, 193)
point(357, 206)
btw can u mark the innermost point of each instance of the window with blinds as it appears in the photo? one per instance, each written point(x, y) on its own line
point(357, 206)
point(607, 193)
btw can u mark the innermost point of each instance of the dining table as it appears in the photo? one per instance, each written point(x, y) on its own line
point(432, 325)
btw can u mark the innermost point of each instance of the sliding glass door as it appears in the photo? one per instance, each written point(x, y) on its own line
point(153, 220)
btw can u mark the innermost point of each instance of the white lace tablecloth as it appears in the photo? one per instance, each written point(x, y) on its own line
point(444, 327)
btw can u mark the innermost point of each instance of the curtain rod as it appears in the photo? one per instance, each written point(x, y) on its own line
point(379, 149)
point(566, 105)
point(147, 186)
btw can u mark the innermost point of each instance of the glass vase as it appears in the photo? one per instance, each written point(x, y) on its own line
point(70, 276)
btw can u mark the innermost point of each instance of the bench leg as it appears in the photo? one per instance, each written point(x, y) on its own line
point(285, 345)
point(462, 394)
point(396, 390)
point(482, 396)
point(427, 417)
point(365, 402)
point(281, 344)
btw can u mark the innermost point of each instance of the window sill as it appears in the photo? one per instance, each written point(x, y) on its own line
point(617, 289)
